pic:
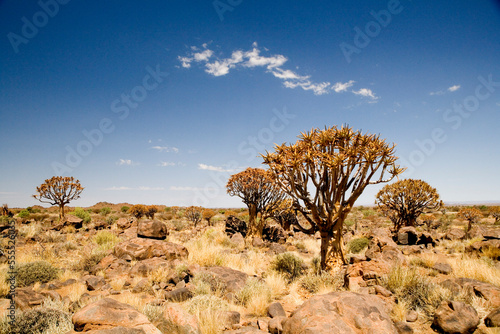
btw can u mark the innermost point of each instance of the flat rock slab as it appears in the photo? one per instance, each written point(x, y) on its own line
point(142, 248)
point(341, 312)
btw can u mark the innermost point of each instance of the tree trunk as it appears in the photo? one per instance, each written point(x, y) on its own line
point(332, 252)
point(252, 221)
point(61, 212)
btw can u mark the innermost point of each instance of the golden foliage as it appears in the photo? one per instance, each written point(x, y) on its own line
point(404, 201)
point(337, 164)
point(59, 190)
point(138, 210)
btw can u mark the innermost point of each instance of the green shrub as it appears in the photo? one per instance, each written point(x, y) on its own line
point(124, 209)
point(88, 262)
point(106, 239)
point(105, 211)
point(82, 214)
point(179, 225)
point(23, 214)
point(111, 220)
point(288, 264)
point(357, 245)
point(38, 271)
point(41, 320)
point(206, 283)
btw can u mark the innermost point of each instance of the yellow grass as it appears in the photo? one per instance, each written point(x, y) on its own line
point(474, 268)
point(277, 284)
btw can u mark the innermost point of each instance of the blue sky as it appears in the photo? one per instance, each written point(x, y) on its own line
point(160, 102)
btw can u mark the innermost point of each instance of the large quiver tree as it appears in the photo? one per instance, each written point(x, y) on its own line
point(336, 164)
point(258, 190)
point(405, 200)
point(59, 190)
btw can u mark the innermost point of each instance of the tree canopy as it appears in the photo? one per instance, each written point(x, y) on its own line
point(325, 172)
point(59, 190)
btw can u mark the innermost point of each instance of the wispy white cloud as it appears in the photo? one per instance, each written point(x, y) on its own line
point(127, 162)
point(169, 164)
point(176, 188)
point(214, 168)
point(165, 149)
point(342, 87)
point(451, 89)
point(365, 92)
point(142, 188)
point(253, 58)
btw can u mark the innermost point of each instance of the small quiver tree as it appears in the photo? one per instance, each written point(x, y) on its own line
point(208, 214)
point(6, 212)
point(471, 215)
point(194, 214)
point(495, 212)
point(285, 214)
point(259, 191)
point(151, 210)
point(138, 210)
point(405, 200)
point(427, 220)
point(336, 164)
point(59, 190)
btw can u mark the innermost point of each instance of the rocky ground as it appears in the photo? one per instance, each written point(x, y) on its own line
point(115, 274)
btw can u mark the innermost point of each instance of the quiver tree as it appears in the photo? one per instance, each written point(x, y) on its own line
point(258, 190)
point(138, 210)
point(336, 165)
point(59, 190)
point(472, 215)
point(285, 215)
point(6, 212)
point(194, 214)
point(151, 210)
point(495, 212)
point(405, 200)
point(208, 214)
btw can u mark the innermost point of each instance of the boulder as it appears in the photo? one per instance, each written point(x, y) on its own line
point(115, 330)
point(425, 238)
point(234, 280)
point(484, 290)
point(111, 266)
point(341, 312)
point(153, 229)
point(70, 220)
point(454, 317)
point(125, 223)
point(257, 242)
point(231, 318)
point(275, 325)
point(493, 318)
point(94, 282)
point(26, 298)
point(179, 295)
point(235, 225)
point(479, 248)
point(407, 236)
point(141, 249)
point(276, 310)
point(238, 240)
point(454, 234)
point(108, 313)
point(274, 233)
point(442, 267)
point(145, 267)
point(185, 322)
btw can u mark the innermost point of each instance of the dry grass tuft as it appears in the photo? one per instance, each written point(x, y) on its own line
point(474, 268)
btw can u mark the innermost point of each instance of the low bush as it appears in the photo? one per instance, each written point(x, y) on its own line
point(23, 214)
point(105, 211)
point(288, 264)
point(41, 320)
point(255, 296)
point(82, 214)
point(106, 239)
point(323, 282)
point(38, 271)
point(124, 209)
point(88, 262)
point(357, 245)
point(206, 283)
